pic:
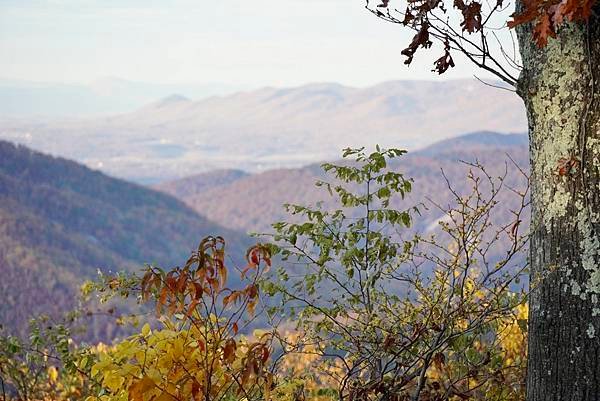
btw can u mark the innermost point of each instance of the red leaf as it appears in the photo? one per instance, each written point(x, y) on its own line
point(471, 15)
point(443, 63)
point(408, 17)
point(196, 390)
point(420, 39)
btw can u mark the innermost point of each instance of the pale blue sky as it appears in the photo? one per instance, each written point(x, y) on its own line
point(243, 42)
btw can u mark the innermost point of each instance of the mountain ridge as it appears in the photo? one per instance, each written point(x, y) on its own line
point(271, 128)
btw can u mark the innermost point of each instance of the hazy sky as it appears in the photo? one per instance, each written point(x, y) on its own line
point(245, 42)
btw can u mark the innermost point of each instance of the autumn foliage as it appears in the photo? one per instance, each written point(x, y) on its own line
point(197, 351)
point(351, 311)
point(548, 16)
point(470, 27)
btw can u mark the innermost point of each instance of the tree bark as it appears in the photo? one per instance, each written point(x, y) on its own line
point(560, 86)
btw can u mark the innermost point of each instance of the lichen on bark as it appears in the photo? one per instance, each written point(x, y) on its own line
point(557, 102)
point(554, 96)
point(558, 86)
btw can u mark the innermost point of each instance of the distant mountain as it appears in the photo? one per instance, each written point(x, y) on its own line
point(197, 184)
point(477, 141)
point(253, 202)
point(271, 128)
point(60, 222)
point(170, 101)
point(104, 96)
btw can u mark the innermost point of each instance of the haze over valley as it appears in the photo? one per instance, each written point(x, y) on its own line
point(268, 128)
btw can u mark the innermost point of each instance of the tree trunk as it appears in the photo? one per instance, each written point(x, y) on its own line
point(560, 85)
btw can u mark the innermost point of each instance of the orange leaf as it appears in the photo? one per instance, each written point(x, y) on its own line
point(222, 274)
point(192, 307)
point(195, 389)
point(542, 30)
point(138, 388)
point(529, 13)
point(161, 299)
point(251, 306)
point(229, 351)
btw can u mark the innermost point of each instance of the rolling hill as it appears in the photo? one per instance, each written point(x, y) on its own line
point(270, 128)
point(60, 222)
point(253, 202)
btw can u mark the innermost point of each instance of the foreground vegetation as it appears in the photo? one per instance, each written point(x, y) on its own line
point(349, 304)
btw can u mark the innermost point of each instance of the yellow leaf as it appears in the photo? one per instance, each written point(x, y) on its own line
point(146, 330)
point(113, 381)
point(102, 364)
point(52, 374)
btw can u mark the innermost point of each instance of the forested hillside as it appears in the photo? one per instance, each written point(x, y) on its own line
point(253, 202)
point(61, 222)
